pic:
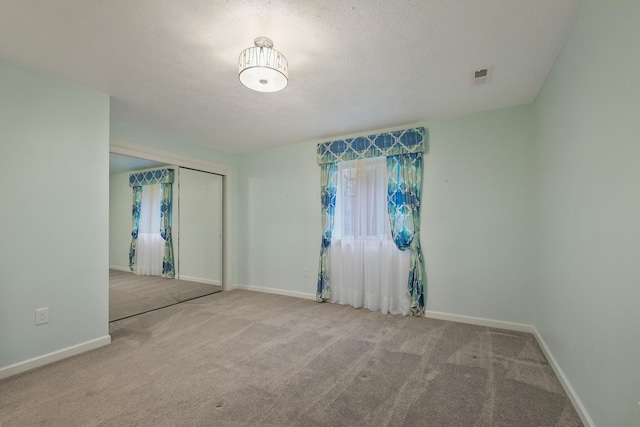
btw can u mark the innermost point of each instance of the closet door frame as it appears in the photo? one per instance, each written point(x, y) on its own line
point(143, 152)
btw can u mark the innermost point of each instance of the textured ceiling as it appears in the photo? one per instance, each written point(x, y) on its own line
point(354, 66)
point(119, 163)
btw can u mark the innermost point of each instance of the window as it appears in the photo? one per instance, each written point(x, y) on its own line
point(367, 269)
point(361, 200)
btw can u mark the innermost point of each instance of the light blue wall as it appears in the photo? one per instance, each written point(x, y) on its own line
point(477, 215)
point(125, 131)
point(54, 204)
point(279, 217)
point(588, 204)
point(476, 218)
point(120, 199)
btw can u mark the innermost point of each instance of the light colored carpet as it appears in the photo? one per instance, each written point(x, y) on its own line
point(240, 358)
point(130, 294)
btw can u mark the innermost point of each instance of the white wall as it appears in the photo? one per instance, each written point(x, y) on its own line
point(476, 216)
point(54, 138)
point(120, 199)
point(588, 190)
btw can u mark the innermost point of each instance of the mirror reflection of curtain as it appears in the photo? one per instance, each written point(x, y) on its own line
point(150, 246)
point(166, 221)
point(135, 219)
point(161, 218)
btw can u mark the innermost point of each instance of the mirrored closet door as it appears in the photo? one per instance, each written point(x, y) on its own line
point(200, 233)
point(165, 236)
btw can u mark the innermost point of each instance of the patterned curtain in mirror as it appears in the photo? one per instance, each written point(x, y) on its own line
point(164, 177)
point(135, 217)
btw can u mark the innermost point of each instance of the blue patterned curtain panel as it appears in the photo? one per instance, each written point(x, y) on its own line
point(165, 178)
point(378, 145)
point(158, 176)
point(404, 187)
point(135, 218)
point(328, 175)
point(404, 150)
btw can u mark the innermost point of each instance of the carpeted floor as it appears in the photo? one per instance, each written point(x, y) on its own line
point(130, 294)
point(241, 358)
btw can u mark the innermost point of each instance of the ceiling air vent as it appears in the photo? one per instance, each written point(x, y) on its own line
point(481, 76)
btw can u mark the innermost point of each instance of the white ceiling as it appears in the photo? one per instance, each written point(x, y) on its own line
point(119, 163)
point(354, 66)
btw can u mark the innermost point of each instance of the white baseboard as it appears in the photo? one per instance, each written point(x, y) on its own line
point(522, 327)
point(45, 359)
point(113, 267)
point(199, 280)
point(274, 291)
point(480, 321)
point(573, 396)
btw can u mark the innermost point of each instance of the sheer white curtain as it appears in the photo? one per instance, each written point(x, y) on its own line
point(150, 249)
point(367, 269)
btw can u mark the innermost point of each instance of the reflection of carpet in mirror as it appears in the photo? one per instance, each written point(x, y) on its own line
point(130, 294)
point(190, 290)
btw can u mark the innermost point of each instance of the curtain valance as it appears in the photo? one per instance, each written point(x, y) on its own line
point(378, 145)
point(158, 176)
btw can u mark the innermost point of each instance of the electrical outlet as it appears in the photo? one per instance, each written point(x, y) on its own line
point(305, 272)
point(42, 316)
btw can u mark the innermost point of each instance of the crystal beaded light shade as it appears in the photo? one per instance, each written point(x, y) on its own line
point(263, 68)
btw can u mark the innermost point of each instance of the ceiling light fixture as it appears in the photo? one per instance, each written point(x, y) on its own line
point(263, 68)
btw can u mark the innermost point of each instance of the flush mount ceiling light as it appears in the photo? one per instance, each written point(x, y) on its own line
point(263, 68)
